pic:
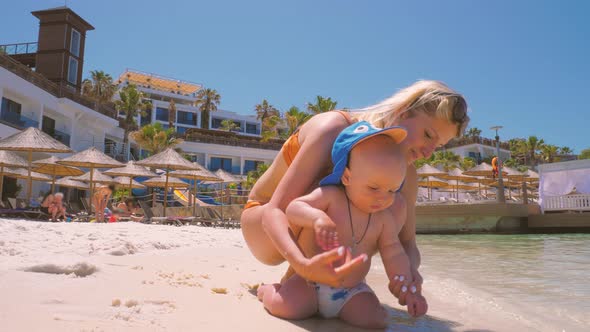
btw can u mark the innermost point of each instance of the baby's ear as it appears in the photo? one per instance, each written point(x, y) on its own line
point(345, 178)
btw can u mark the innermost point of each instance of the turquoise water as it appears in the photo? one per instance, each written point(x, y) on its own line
point(543, 280)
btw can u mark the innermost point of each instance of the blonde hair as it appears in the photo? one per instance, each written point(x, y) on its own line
point(433, 98)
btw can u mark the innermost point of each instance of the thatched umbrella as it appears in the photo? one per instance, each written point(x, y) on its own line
point(32, 140)
point(130, 171)
point(164, 181)
point(432, 182)
point(50, 166)
point(97, 177)
point(24, 174)
point(168, 160)
point(91, 158)
point(9, 159)
point(71, 183)
point(456, 174)
point(531, 175)
point(427, 171)
point(125, 181)
point(201, 174)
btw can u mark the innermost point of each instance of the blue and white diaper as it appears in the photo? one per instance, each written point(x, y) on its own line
point(331, 300)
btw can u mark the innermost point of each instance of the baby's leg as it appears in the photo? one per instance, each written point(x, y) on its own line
point(364, 310)
point(294, 299)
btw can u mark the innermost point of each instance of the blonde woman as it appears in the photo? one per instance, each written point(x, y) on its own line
point(431, 112)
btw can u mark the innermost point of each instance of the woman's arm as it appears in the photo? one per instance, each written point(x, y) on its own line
point(316, 138)
point(407, 235)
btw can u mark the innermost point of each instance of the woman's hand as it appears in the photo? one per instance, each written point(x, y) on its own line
point(319, 268)
point(400, 286)
point(326, 235)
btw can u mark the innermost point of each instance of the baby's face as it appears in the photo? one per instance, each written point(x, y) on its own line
point(374, 175)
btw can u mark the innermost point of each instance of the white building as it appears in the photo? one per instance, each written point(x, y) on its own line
point(212, 148)
point(565, 186)
point(477, 148)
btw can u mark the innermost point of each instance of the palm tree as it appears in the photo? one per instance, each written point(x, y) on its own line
point(473, 132)
point(265, 110)
point(154, 138)
point(207, 102)
point(585, 154)
point(131, 103)
point(171, 113)
point(467, 163)
point(518, 150)
point(295, 118)
point(100, 88)
point(229, 125)
point(549, 152)
point(322, 105)
point(565, 150)
point(254, 175)
point(533, 144)
point(445, 158)
point(270, 118)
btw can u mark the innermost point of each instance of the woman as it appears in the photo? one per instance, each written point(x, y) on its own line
point(128, 209)
point(432, 113)
point(99, 200)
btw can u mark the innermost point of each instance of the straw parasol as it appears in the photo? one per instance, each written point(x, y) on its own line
point(50, 166)
point(163, 181)
point(226, 177)
point(71, 183)
point(9, 159)
point(531, 175)
point(32, 140)
point(125, 181)
point(427, 171)
point(168, 160)
point(201, 174)
point(130, 171)
point(483, 169)
point(456, 174)
point(24, 174)
point(91, 158)
point(97, 177)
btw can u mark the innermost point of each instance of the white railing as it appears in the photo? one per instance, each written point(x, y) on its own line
point(567, 203)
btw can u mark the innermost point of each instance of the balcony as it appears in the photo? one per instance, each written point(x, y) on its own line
point(18, 121)
point(229, 138)
point(57, 90)
point(58, 135)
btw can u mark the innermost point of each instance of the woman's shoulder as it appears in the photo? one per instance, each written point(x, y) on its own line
point(325, 122)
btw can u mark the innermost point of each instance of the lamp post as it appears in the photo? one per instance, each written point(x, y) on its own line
point(500, 194)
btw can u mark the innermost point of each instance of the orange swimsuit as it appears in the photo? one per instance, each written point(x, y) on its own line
point(289, 151)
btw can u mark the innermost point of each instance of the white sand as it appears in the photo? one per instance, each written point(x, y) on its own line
point(136, 277)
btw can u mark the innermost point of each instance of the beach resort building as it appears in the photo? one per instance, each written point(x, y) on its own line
point(478, 148)
point(236, 152)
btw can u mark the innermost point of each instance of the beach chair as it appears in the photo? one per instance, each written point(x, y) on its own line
point(204, 218)
point(155, 216)
point(6, 210)
point(26, 212)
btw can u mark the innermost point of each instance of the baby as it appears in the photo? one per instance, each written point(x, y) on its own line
point(355, 206)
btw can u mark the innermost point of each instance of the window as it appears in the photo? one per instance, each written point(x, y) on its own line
point(216, 123)
point(147, 119)
point(162, 114)
point(10, 106)
point(251, 165)
point(187, 118)
point(252, 128)
point(75, 43)
point(73, 71)
point(181, 130)
point(220, 163)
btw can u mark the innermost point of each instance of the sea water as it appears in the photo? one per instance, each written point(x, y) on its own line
point(506, 282)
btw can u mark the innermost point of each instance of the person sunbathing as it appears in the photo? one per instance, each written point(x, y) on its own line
point(56, 208)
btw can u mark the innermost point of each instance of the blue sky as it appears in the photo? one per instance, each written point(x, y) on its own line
point(520, 64)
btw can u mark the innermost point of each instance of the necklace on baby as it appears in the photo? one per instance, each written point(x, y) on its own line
point(354, 241)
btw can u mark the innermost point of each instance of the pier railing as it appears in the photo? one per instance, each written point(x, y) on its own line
point(579, 202)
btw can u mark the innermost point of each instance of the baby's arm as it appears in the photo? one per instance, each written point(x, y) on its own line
point(309, 212)
point(397, 265)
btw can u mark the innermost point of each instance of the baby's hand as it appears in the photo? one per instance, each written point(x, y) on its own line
point(417, 305)
point(326, 235)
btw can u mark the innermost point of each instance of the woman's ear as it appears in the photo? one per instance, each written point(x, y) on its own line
point(345, 178)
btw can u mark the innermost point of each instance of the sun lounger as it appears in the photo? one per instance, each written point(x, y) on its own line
point(150, 217)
